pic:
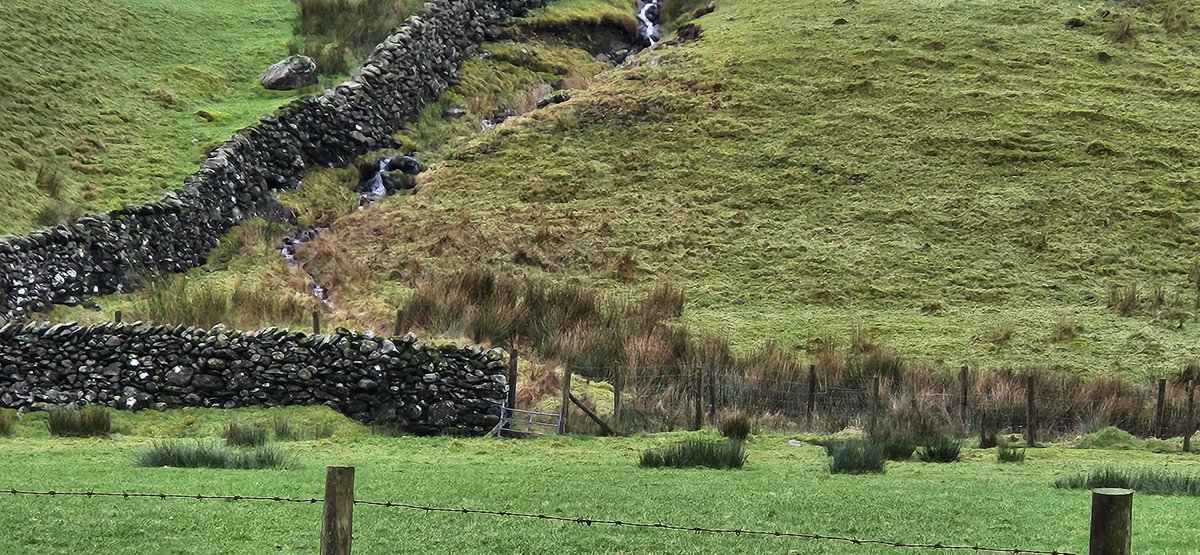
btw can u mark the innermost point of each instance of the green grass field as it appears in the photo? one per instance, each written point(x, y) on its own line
point(122, 97)
point(976, 500)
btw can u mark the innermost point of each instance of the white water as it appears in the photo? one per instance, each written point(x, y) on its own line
point(648, 15)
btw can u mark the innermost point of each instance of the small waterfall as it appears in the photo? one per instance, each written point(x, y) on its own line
point(650, 15)
point(372, 190)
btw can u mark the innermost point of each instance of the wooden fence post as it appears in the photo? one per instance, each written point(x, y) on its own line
point(1189, 427)
point(399, 322)
point(1112, 522)
point(618, 386)
point(712, 393)
point(316, 322)
point(874, 405)
point(1030, 415)
point(117, 316)
point(698, 399)
point(812, 395)
point(962, 399)
point(512, 379)
point(566, 401)
point(1160, 409)
point(337, 520)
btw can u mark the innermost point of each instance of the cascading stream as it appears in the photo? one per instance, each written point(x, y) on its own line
point(371, 190)
point(649, 15)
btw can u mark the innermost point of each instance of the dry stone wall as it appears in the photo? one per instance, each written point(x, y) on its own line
point(396, 381)
point(108, 253)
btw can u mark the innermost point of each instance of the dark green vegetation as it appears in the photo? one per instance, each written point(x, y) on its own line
point(8, 420)
point(195, 454)
point(245, 435)
point(780, 487)
point(1145, 481)
point(898, 444)
point(940, 449)
point(696, 453)
point(90, 421)
point(114, 101)
point(855, 456)
point(1006, 453)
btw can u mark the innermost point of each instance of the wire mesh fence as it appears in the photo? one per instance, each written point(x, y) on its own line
point(674, 397)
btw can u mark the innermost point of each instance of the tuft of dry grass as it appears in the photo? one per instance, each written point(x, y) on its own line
point(1122, 29)
point(1176, 16)
point(1065, 329)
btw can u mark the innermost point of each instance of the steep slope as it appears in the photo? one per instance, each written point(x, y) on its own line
point(964, 180)
point(119, 98)
point(970, 183)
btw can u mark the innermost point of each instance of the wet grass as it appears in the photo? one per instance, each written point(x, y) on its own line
point(975, 501)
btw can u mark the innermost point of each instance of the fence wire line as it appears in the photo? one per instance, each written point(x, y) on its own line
point(553, 518)
point(132, 495)
point(708, 530)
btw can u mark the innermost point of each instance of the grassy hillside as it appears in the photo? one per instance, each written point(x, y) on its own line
point(119, 98)
point(966, 182)
point(974, 501)
point(960, 179)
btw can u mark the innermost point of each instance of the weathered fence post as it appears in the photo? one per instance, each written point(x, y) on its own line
point(962, 399)
point(712, 393)
point(698, 400)
point(874, 404)
point(117, 316)
point(618, 385)
point(1189, 427)
point(1160, 409)
point(512, 379)
point(316, 322)
point(812, 395)
point(1112, 522)
point(1030, 415)
point(337, 520)
point(399, 322)
point(566, 401)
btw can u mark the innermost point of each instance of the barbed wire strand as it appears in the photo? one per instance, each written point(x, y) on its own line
point(512, 514)
point(132, 495)
point(709, 530)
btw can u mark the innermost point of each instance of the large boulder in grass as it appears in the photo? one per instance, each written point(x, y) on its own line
point(290, 73)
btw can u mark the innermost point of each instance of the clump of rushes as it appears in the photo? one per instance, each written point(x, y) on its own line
point(855, 456)
point(91, 421)
point(693, 453)
point(284, 431)
point(1147, 481)
point(941, 449)
point(8, 421)
point(897, 445)
point(1008, 453)
point(245, 435)
point(180, 454)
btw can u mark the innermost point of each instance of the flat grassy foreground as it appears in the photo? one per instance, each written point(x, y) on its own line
point(781, 487)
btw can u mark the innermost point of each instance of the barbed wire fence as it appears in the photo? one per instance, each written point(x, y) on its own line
point(338, 503)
